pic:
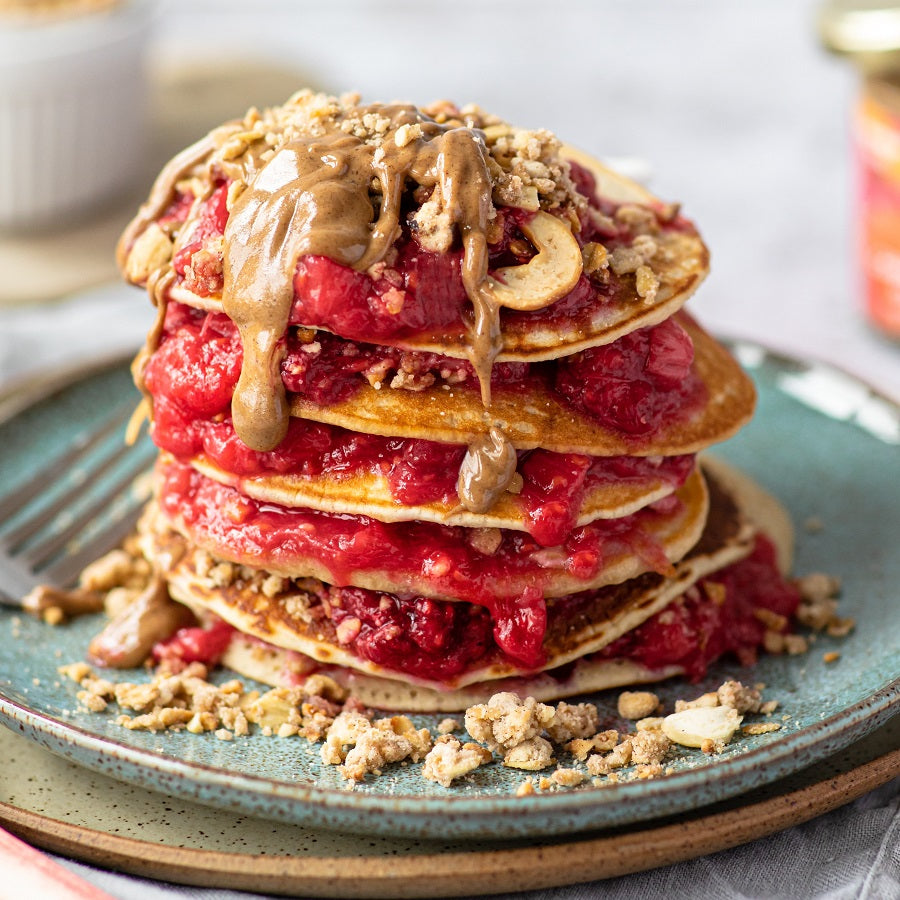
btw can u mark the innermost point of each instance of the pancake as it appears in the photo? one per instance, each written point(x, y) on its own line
point(540, 418)
point(278, 646)
point(177, 215)
point(368, 493)
point(421, 558)
point(681, 265)
point(278, 667)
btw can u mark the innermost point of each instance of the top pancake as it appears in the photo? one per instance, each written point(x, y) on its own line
point(526, 172)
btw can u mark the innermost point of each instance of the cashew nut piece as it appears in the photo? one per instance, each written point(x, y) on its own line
point(548, 275)
point(691, 727)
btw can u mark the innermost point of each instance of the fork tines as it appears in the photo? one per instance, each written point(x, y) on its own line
point(75, 508)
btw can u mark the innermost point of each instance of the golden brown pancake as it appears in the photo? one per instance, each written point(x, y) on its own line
point(542, 419)
point(670, 533)
point(367, 493)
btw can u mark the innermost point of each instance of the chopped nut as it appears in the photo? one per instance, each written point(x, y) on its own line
point(594, 257)
point(646, 283)
point(526, 788)
point(600, 742)
point(795, 644)
point(760, 727)
point(692, 727)
point(567, 777)
point(637, 704)
point(772, 620)
point(840, 627)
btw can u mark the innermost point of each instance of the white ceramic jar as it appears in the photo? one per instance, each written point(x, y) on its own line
point(73, 112)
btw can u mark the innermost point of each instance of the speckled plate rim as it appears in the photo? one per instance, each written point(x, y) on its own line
point(461, 873)
point(721, 778)
point(474, 816)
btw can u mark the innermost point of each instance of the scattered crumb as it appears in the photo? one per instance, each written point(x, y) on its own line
point(526, 788)
point(447, 726)
point(760, 727)
point(572, 721)
point(450, 759)
point(602, 741)
point(568, 777)
point(506, 721)
point(831, 656)
point(637, 704)
point(532, 755)
point(617, 758)
point(649, 747)
point(743, 699)
point(813, 525)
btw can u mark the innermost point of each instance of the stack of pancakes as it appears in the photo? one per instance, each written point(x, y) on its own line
point(429, 409)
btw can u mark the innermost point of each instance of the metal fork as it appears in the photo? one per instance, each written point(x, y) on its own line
point(73, 510)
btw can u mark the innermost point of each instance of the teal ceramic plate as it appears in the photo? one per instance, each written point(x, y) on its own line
point(824, 443)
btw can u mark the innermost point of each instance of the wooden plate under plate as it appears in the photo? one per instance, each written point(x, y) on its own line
point(130, 829)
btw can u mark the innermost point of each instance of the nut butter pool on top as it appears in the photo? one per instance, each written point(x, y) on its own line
point(428, 409)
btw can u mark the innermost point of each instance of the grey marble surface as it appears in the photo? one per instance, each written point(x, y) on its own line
point(734, 110)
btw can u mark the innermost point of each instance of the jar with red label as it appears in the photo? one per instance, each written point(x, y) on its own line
point(869, 33)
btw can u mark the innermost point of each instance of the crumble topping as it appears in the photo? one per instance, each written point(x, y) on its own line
point(601, 741)
point(573, 721)
point(450, 759)
point(507, 721)
point(523, 732)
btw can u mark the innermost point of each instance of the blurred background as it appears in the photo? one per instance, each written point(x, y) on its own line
point(733, 109)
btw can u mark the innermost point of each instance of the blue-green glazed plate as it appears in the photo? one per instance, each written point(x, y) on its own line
point(825, 444)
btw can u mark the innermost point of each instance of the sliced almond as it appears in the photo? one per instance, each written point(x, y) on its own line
point(693, 727)
point(548, 275)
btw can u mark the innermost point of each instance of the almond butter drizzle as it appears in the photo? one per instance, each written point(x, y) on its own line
point(313, 196)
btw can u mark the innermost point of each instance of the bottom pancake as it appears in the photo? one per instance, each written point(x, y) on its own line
point(424, 655)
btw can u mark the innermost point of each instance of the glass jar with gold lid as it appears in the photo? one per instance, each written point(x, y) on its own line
point(868, 32)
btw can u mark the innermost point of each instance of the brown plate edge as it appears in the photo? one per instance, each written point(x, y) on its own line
point(459, 873)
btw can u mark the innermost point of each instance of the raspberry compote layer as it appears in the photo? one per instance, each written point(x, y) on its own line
point(715, 617)
point(416, 292)
point(438, 640)
point(451, 561)
point(636, 385)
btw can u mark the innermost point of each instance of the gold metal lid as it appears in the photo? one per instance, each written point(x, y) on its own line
point(868, 30)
